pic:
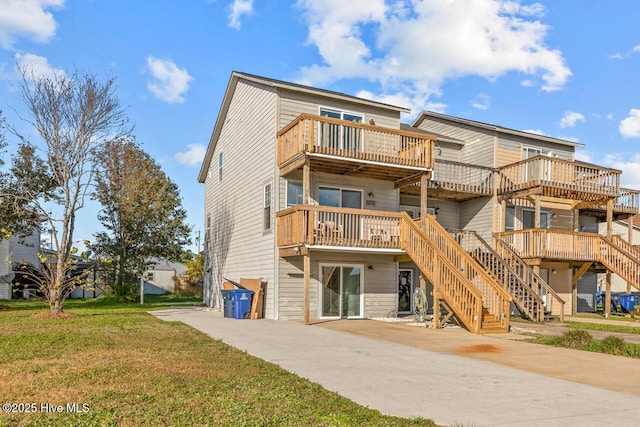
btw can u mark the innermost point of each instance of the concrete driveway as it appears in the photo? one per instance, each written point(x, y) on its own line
point(409, 381)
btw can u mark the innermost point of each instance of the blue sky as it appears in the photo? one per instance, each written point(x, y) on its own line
point(562, 68)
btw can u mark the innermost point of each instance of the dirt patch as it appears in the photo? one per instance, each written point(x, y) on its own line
point(49, 315)
point(479, 348)
point(5, 307)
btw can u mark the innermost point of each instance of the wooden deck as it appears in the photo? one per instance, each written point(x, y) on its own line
point(552, 177)
point(457, 181)
point(357, 149)
point(309, 225)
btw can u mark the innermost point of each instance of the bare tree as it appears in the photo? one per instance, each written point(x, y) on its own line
point(74, 115)
point(217, 244)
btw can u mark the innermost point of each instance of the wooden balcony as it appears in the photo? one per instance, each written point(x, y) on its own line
point(456, 181)
point(307, 225)
point(562, 179)
point(626, 204)
point(561, 245)
point(356, 149)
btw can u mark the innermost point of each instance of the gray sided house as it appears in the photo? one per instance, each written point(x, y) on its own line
point(344, 211)
point(13, 251)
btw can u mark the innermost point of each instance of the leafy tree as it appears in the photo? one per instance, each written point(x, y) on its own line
point(141, 212)
point(195, 268)
point(73, 115)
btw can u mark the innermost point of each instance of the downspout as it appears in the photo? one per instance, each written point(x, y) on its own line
point(276, 185)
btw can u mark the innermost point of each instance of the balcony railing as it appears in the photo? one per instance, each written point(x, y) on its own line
point(329, 226)
point(628, 201)
point(560, 178)
point(553, 244)
point(462, 177)
point(323, 135)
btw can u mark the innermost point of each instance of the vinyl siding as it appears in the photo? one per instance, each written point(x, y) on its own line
point(247, 141)
point(449, 211)
point(380, 293)
point(292, 104)
point(26, 249)
point(516, 143)
point(477, 215)
point(478, 148)
point(5, 269)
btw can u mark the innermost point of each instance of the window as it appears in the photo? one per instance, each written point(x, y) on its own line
point(150, 276)
point(341, 137)
point(267, 207)
point(220, 167)
point(340, 197)
point(510, 219)
point(529, 218)
point(294, 193)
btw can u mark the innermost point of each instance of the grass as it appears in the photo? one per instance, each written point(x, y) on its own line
point(603, 327)
point(581, 340)
point(133, 369)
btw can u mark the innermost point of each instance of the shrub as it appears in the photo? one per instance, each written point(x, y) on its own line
point(576, 338)
point(613, 345)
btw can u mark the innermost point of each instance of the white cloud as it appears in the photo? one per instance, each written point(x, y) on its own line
point(481, 101)
point(616, 55)
point(570, 119)
point(629, 164)
point(238, 9)
point(630, 127)
point(37, 66)
point(193, 156)
point(636, 48)
point(414, 47)
point(534, 131)
point(583, 156)
point(170, 83)
point(27, 18)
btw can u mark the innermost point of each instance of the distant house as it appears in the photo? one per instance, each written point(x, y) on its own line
point(160, 277)
point(14, 251)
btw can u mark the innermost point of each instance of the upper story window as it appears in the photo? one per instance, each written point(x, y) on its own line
point(339, 136)
point(529, 152)
point(220, 167)
point(294, 193)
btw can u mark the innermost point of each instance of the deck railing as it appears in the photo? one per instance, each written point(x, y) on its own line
point(628, 201)
point(463, 297)
point(512, 280)
point(572, 246)
point(496, 299)
point(462, 177)
point(329, 226)
point(559, 174)
point(528, 275)
point(323, 135)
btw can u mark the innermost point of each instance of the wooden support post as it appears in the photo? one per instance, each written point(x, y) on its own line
point(307, 280)
point(576, 220)
point(537, 212)
point(630, 241)
point(607, 298)
point(503, 215)
point(609, 217)
point(424, 180)
point(306, 182)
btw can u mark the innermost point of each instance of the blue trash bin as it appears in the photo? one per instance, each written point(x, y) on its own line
point(628, 302)
point(228, 303)
point(241, 299)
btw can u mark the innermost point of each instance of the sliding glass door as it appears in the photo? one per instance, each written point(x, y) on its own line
point(341, 294)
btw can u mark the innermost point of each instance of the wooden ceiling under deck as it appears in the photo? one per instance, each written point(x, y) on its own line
point(355, 168)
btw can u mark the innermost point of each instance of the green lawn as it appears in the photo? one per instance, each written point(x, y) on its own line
point(130, 368)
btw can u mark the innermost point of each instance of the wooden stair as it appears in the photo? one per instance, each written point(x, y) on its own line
point(461, 285)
